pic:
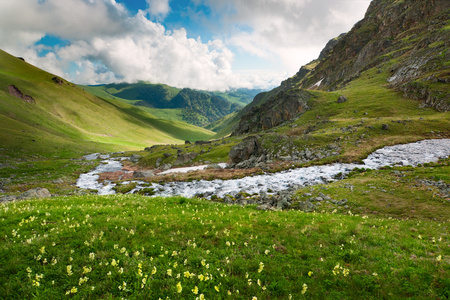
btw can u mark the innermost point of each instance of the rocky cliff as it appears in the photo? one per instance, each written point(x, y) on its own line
point(281, 107)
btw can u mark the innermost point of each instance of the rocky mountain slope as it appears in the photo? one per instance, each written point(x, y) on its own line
point(405, 41)
point(410, 39)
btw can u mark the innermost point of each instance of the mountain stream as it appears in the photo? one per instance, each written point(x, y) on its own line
point(407, 154)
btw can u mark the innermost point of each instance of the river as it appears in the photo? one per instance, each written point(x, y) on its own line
point(406, 154)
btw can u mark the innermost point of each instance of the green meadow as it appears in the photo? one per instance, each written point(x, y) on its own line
point(134, 247)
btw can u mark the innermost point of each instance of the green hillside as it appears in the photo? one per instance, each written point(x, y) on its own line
point(195, 107)
point(63, 119)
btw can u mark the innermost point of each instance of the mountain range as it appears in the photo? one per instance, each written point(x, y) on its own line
point(195, 107)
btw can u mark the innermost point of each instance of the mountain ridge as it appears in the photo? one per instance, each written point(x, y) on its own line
point(195, 107)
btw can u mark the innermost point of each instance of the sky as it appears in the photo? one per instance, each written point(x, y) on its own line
point(200, 44)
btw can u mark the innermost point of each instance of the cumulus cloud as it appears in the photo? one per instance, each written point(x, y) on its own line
point(106, 43)
point(292, 31)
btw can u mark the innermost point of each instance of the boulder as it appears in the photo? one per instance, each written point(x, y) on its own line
point(143, 174)
point(7, 198)
point(185, 158)
point(213, 167)
point(135, 158)
point(306, 206)
point(35, 193)
point(342, 99)
point(250, 146)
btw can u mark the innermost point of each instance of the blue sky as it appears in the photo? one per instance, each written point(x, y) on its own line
point(203, 44)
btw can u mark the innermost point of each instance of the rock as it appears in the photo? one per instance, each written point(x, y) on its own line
point(57, 80)
point(282, 107)
point(58, 181)
point(185, 158)
point(165, 167)
point(143, 174)
point(264, 207)
point(213, 167)
point(202, 142)
point(14, 91)
point(250, 146)
point(342, 99)
point(305, 206)
point(187, 142)
point(385, 126)
point(35, 193)
point(7, 198)
point(158, 162)
point(283, 204)
point(167, 155)
point(135, 158)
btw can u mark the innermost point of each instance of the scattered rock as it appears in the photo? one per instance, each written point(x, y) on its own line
point(135, 158)
point(57, 80)
point(213, 167)
point(143, 174)
point(202, 142)
point(305, 206)
point(167, 155)
point(385, 126)
point(7, 198)
point(185, 158)
point(342, 99)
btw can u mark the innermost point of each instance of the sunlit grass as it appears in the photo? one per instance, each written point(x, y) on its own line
point(144, 248)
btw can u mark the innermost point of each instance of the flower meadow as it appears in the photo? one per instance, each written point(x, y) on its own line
point(135, 247)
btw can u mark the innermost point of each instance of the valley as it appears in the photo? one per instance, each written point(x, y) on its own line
point(333, 185)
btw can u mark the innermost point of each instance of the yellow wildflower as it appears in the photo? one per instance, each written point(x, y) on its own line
point(195, 290)
point(305, 287)
point(179, 288)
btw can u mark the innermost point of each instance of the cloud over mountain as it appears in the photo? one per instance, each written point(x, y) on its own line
point(102, 41)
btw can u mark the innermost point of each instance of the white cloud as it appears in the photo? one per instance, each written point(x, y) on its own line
point(119, 47)
point(158, 8)
point(290, 31)
point(107, 43)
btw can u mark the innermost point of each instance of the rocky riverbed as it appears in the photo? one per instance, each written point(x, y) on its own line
point(406, 154)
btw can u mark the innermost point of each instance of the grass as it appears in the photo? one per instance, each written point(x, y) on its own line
point(136, 247)
point(67, 121)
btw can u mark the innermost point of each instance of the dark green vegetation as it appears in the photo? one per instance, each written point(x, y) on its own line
point(191, 106)
point(55, 117)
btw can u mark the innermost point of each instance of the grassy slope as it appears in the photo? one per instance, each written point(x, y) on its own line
point(67, 120)
point(370, 105)
point(103, 247)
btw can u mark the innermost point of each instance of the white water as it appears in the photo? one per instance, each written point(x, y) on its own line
point(407, 154)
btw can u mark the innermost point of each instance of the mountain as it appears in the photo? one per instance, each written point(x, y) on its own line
point(191, 106)
point(403, 42)
point(43, 114)
point(409, 39)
